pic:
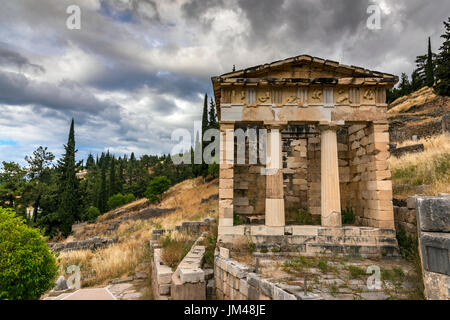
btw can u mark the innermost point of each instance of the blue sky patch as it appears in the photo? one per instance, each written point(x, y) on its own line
point(8, 142)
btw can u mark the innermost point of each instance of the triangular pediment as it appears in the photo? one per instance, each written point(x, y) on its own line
point(304, 66)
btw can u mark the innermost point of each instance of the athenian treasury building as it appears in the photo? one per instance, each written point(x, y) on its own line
point(303, 158)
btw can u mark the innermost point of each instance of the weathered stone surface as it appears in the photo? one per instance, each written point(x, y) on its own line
point(435, 248)
point(141, 275)
point(375, 296)
point(122, 280)
point(433, 214)
point(61, 284)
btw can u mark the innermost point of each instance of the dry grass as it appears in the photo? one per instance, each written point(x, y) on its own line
point(419, 97)
point(174, 247)
point(431, 167)
point(132, 249)
point(119, 260)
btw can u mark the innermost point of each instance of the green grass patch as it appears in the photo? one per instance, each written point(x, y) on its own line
point(356, 272)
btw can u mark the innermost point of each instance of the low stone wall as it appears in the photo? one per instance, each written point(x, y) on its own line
point(405, 216)
point(192, 227)
point(188, 281)
point(89, 244)
point(161, 277)
point(433, 216)
point(235, 281)
point(398, 152)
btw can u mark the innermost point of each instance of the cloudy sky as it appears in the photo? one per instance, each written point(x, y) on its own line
point(138, 69)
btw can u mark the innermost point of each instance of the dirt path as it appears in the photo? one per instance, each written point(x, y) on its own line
point(86, 294)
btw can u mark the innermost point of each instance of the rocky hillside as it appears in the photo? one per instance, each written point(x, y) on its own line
point(421, 114)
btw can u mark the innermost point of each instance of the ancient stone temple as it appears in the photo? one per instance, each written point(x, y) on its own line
point(305, 135)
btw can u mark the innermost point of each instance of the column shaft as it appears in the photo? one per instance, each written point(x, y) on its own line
point(226, 175)
point(330, 194)
point(274, 180)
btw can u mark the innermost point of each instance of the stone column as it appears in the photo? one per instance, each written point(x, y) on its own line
point(329, 177)
point(274, 178)
point(226, 174)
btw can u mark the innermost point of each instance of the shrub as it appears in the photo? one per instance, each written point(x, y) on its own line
point(91, 214)
point(156, 188)
point(213, 170)
point(119, 200)
point(348, 217)
point(237, 219)
point(27, 267)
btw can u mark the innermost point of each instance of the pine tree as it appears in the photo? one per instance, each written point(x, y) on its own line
point(102, 197)
point(112, 178)
point(120, 178)
point(404, 86)
point(90, 161)
point(443, 63)
point(68, 209)
point(429, 67)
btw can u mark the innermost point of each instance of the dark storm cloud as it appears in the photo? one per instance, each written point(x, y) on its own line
point(67, 96)
point(130, 78)
point(9, 58)
point(137, 68)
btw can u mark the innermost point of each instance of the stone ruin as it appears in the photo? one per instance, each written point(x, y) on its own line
point(306, 134)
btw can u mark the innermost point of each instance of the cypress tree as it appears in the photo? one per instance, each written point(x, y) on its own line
point(68, 209)
point(429, 67)
point(205, 124)
point(212, 116)
point(131, 167)
point(443, 63)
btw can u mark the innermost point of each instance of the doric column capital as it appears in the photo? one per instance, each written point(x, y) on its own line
point(280, 125)
point(226, 125)
point(330, 125)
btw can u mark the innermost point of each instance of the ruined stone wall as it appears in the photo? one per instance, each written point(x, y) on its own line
point(301, 174)
point(405, 216)
point(235, 281)
point(370, 175)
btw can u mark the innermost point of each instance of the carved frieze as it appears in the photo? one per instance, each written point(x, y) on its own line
point(316, 95)
point(342, 96)
point(265, 97)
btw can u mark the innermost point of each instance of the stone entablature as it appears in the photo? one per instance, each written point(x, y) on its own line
point(302, 89)
point(301, 92)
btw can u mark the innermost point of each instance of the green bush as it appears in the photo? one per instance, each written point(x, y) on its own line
point(213, 170)
point(119, 200)
point(27, 267)
point(156, 188)
point(91, 214)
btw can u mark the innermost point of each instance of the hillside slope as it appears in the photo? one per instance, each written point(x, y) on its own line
point(419, 114)
point(191, 200)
